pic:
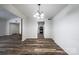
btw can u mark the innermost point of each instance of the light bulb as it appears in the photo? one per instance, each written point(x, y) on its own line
point(34, 15)
point(42, 15)
point(37, 14)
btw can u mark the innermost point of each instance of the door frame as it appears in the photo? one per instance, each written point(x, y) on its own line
point(40, 24)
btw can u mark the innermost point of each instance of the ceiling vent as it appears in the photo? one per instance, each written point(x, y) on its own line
point(49, 19)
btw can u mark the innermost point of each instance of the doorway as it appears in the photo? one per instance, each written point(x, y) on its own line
point(14, 28)
point(40, 30)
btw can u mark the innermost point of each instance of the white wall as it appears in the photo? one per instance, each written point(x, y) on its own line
point(13, 20)
point(47, 28)
point(29, 28)
point(65, 29)
point(2, 27)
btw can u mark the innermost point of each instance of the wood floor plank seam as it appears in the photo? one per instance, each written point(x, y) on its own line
point(40, 46)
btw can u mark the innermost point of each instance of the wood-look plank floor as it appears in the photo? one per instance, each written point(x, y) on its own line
point(41, 47)
point(30, 47)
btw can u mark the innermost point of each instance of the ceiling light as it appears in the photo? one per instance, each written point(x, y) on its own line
point(39, 14)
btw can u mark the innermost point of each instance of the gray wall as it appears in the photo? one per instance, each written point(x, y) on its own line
point(47, 28)
point(2, 27)
point(29, 28)
point(65, 29)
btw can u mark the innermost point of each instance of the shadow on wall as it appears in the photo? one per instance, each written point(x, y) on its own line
point(65, 29)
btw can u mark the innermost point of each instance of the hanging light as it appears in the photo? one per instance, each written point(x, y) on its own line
point(39, 14)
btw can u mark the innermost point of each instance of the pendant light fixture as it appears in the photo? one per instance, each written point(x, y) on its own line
point(39, 14)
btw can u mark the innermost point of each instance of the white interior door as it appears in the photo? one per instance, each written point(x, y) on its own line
point(14, 28)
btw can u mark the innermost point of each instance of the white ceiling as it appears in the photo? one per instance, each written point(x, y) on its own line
point(4, 14)
point(50, 10)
